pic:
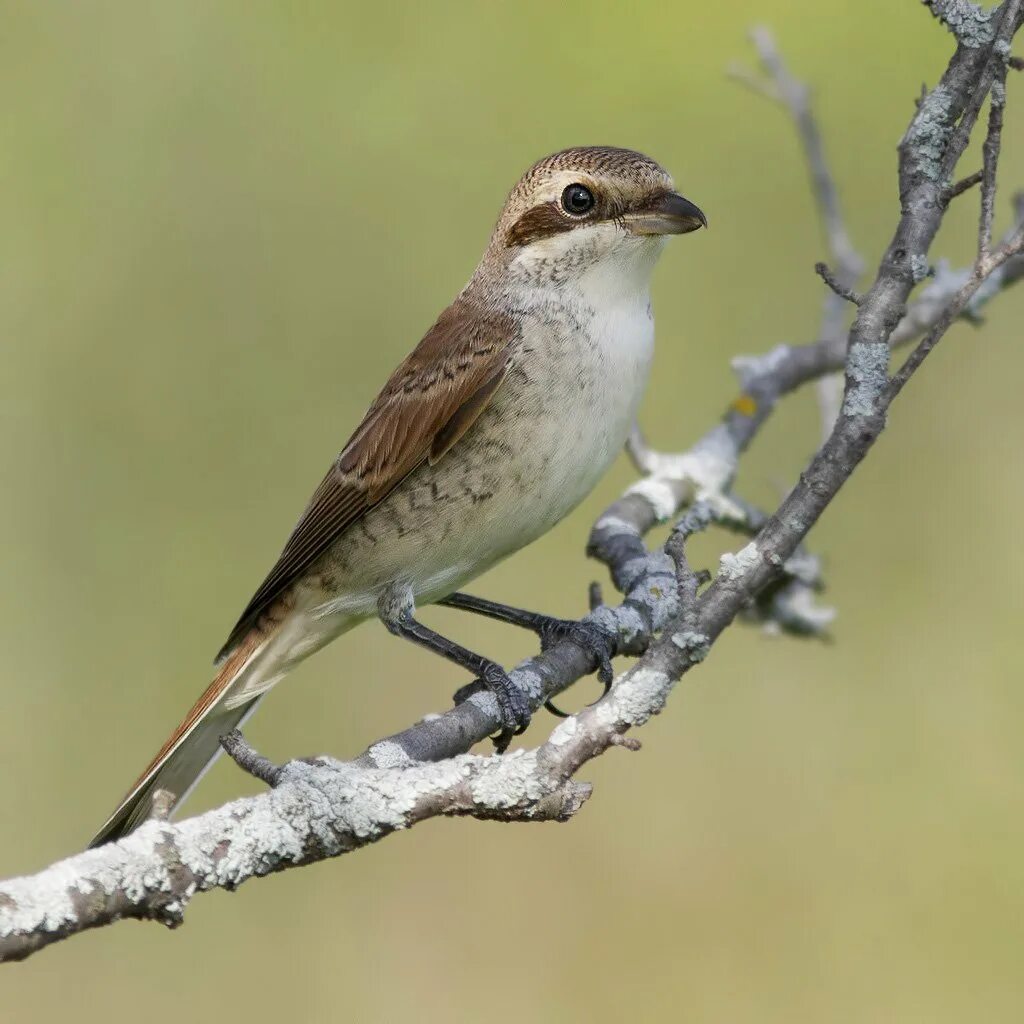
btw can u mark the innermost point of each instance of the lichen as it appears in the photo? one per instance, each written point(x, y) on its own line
point(805, 567)
point(868, 368)
point(632, 571)
point(527, 679)
point(919, 267)
point(734, 566)
point(659, 494)
point(615, 526)
point(749, 368)
point(564, 732)
point(485, 701)
point(628, 623)
point(388, 754)
point(796, 610)
point(929, 133)
point(641, 695)
point(972, 25)
point(508, 782)
point(696, 645)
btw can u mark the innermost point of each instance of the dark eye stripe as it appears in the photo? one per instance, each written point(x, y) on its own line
point(542, 221)
point(550, 219)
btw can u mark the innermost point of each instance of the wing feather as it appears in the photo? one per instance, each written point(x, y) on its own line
point(427, 405)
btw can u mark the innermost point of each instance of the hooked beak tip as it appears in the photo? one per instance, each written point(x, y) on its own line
point(667, 214)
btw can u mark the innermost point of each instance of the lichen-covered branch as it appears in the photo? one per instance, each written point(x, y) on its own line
point(668, 618)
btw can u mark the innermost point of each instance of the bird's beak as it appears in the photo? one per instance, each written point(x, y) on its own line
point(666, 214)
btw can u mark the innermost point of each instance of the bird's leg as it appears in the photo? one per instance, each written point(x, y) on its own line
point(593, 639)
point(396, 607)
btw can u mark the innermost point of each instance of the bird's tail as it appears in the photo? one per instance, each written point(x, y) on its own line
point(195, 744)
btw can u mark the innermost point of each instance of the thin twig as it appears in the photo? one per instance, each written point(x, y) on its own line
point(987, 267)
point(963, 185)
point(251, 762)
point(825, 273)
point(990, 152)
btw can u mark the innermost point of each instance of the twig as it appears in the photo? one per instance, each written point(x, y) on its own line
point(825, 273)
point(988, 266)
point(254, 764)
point(963, 185)
point(990, 152)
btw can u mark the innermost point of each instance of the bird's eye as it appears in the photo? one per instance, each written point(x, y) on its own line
point(577, 200)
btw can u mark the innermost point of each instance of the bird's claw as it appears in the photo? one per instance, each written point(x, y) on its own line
point(591, 638)
point(514, 709)
point(513, 705)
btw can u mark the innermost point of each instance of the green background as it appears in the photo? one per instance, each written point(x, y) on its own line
point(222, 225)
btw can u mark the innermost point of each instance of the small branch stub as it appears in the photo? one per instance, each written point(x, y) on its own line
point(249, 760)
point(823, 271)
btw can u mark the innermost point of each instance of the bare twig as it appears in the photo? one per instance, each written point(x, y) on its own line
point(990, 151)
point(256, 765)
point(963, 185)
point(985, 271)
point(847, 294)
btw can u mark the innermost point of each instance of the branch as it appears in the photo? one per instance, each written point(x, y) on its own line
point(932, 146)
point(322, 808)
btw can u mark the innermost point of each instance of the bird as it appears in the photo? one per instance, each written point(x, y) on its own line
point(497, 424)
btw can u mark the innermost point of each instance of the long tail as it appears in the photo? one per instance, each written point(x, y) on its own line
point(194, 745)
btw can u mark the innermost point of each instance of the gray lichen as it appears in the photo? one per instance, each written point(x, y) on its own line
point(695, 645)
point(748, 368)
point(796, 610)
point(919, 267)
point(969, 22)
point(928, 134)
point(387, 754)
point(514, 781)
point(734, 566)
point(868, 368)
point(641, 695)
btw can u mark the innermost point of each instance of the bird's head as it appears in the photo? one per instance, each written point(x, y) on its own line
point(586, 209)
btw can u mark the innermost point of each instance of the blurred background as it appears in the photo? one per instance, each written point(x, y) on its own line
point(223, 224)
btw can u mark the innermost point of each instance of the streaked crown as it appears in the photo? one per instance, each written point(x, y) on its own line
point(580, 187)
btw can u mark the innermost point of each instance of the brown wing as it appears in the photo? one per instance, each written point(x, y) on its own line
point(426, 406)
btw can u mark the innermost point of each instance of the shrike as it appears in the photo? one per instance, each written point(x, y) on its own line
point(497, 425)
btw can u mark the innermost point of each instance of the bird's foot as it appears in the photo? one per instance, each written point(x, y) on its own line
point(514, 709)
point(599, 643)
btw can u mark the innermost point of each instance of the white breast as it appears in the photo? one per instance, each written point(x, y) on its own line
point(588, 362)
point(551, 431)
